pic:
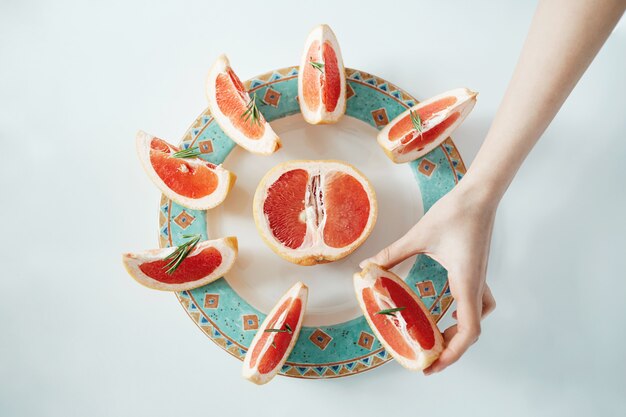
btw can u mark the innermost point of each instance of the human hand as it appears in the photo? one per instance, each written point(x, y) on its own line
point(456, 232)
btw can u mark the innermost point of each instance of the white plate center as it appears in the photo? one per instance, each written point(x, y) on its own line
point(259, 275)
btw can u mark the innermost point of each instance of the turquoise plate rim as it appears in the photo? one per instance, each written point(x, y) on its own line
point(218, 310)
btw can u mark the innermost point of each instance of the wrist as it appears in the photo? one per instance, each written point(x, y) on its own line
point(481, 190)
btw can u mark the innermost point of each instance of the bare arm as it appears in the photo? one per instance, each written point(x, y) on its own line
point(564, 37)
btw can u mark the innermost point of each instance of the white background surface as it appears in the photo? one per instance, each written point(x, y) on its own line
point(79, 337)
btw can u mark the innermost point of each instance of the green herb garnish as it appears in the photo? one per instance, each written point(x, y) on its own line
point(187, 153)
point(318, 66)
point(252, 113)
point(178, 256)
point(417, 121)
point(391, 311)
point(287, 329)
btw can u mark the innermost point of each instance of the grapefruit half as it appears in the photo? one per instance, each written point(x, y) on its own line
point(191, 182)
point(235, 111)
point(322, 79)
point(398, 317)
point(424, 126)
point(311, 212)
point(206, 262)
point(276, 337)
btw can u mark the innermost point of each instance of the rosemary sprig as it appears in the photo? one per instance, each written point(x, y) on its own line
point(417, 121)
point(391, 311)
point(318, 66)
point(287, 329)
point(178, 256)
point(252, 113)
point(187, 153)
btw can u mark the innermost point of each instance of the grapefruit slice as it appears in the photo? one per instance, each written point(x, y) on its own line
point(276, 337)
point(398, 317)
point(321, 79)
point(205, 262)
point(311, 212)
point(424, 126)
point(188, 180)
point(236, 112)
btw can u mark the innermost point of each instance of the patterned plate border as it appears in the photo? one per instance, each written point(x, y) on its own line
point(319, 352)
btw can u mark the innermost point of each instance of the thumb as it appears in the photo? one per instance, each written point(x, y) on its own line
point(408, 245)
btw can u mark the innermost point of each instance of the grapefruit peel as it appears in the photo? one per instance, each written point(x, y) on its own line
point(407, 331)
point(205, 263)
point(276, 336)
point(302, 212)
point(236, 112)
point(421, 128)
point(322, 78)
point(189, 181)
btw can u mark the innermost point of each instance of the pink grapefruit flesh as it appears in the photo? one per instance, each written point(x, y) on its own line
point(426, 125)
point(409, 334)
point(230, 105)
point(208, 261)
point(191, 269)
point(232, 100)
point(284, 205)
point(191, 182)
point(347, 210)
point(179, 175)
point(321, 79)
point(314, 211)
point(276, 336)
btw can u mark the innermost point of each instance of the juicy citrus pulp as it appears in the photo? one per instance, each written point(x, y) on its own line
point(397, 316)
point(236, 111)
point(191, 269)
point(189, 181)
point(275, 350)
point(321, 78)
point(424, 126)
point(204, 263)
point(276, 336)
point(322, 86)
point(411, 319)
point(314, 211)
point(191, 178)
point(233, 100)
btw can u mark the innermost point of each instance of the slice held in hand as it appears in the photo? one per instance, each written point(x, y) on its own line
point(276, 336)
point(397, 316)
point(321, 78)
point(424, 126)
point(311, 212)
point(182, 175)
point(236, 111)
point(185, 267)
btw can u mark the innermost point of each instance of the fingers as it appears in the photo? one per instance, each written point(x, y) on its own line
point(488, 304)
point(408, 245)
point(461, 336)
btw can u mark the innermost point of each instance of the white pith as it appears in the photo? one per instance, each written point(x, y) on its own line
point(225, 178)
point(322, 33)
point(366, 279)
point(313, 246)
point(266, 144)
point(226, 246)
point(299, 290)
point(466, 100)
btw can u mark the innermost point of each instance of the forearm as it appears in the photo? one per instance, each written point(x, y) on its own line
point(564, 37)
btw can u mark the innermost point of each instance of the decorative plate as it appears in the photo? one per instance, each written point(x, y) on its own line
point(335, 341)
